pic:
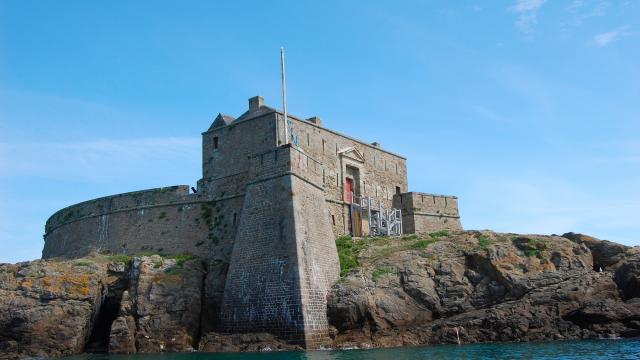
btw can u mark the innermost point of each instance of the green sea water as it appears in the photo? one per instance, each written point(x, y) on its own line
point(590, 349)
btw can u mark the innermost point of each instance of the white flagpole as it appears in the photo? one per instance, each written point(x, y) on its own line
point(284, 98)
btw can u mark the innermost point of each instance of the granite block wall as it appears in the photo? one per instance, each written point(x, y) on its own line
point(424, 213)
point(284, 258)
point(166, 221)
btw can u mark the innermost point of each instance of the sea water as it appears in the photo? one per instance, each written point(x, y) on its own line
point(585, 349)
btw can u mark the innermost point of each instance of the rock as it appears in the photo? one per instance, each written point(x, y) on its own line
point(510, 288)
point(254, 342)
point(123, 329)
point(47, 307)
point(166, 301)
point(605, 253)
point(469, 287)
point(627, 276)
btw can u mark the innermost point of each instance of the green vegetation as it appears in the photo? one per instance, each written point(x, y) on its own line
point(422, 244)
point(82, 262)
point(348, 251)
point(380, 271)
point(484, 242)
point(531, 247)
point(439, 234)
point(162, 215)
point(119, 258)
point(180, 260)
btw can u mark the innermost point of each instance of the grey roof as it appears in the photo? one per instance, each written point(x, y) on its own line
point(261, 111)
point(221, 120)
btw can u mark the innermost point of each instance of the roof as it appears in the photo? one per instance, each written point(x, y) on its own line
point(221, 120)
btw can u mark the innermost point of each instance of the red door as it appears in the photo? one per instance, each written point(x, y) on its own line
point(349, 189)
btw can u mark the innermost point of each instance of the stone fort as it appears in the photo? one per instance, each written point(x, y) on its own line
point(274, 195)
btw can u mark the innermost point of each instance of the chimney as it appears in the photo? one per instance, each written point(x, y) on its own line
point(315, 120)
point(255, 103)
point(376, 144)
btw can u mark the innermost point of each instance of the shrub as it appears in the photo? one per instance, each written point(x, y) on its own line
point(119, 258)
point(484, 241)
point(530, 246)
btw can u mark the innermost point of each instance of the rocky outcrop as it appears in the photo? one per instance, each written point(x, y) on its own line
point(482, 286)
point(468, 287)
point(48, 308)
point(161, 308)
point(54, 308)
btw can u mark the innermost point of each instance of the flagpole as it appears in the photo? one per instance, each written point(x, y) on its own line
point(284, 98)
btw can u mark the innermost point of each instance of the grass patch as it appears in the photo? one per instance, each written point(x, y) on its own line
point(421, 244)
point(180, 258)
point(410, 237)
point(381, 271)
point(119, 258)
point(348, 251)
point(82, 263)
point(484, 242)
point(439, 234)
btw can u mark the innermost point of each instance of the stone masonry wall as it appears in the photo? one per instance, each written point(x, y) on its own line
point(380, 171)
point(284, 258)
point(425, 213)
point(166, 220)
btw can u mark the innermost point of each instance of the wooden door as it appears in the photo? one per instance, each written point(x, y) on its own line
point(349, 189)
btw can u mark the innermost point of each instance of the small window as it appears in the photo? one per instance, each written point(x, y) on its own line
point(235, 218)
point(215, 143)
point(333, 219)
point(398, 190)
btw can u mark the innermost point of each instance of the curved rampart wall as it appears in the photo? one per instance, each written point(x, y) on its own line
point(166, 220)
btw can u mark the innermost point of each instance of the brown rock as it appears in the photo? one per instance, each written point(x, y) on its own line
point(47, 307)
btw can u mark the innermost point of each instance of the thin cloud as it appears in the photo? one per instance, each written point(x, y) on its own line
point(527, 11)
point(606, 38)
point(98, 159)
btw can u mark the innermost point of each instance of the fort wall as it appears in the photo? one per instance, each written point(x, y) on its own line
point(284, 258)
point(424, 213)
point(381, 174)
point(165, 220)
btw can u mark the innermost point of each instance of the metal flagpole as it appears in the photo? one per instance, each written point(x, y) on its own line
point(284, 98)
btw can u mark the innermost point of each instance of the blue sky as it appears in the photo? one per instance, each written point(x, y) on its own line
point(528, 110)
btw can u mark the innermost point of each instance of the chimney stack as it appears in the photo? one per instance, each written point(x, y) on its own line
point(255, 103)
point(315, 120)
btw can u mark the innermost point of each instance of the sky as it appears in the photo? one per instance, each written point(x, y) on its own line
point(527, 110)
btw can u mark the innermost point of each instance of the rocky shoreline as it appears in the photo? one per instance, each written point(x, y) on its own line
point(472, 286)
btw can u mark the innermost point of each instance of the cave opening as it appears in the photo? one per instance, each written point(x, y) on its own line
point(99, 339)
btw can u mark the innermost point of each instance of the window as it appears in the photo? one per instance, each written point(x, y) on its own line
point(235, 218)
point(398, 190)
point(333, 219)
point(215, 143)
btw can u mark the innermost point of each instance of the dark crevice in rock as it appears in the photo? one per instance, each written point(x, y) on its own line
point(107, 312)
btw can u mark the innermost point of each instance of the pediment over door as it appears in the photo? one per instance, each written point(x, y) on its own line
point(352, 153)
